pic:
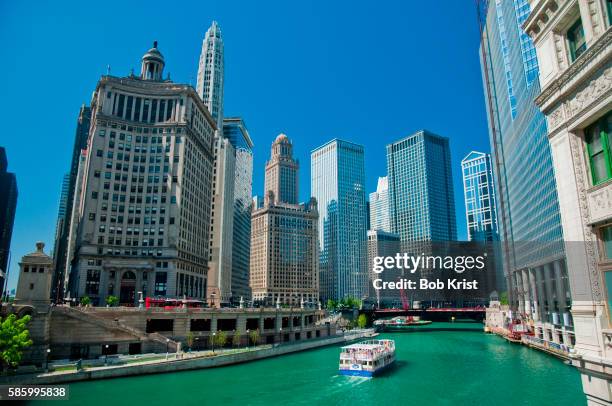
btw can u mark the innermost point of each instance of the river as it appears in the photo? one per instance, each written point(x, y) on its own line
point(455, 365)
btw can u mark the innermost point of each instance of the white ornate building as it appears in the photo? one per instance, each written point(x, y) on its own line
point(574, 47)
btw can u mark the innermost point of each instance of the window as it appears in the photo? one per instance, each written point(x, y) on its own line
point(92, 283)
point(606, 238)
point(608, 278)
point(161, 280)
point(576, 40)
point(599, 149)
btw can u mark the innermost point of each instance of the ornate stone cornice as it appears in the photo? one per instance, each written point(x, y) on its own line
point(594, 57)
point(578, 104)
point(540, 16)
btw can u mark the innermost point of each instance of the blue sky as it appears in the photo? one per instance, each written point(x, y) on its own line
point(368, 72)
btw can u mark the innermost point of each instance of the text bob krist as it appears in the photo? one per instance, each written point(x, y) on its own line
point(412, 264)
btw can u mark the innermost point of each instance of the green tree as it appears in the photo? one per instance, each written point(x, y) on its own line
point(349, 302)
point(362, 320)
point(237, 338)
point(14, 338)
point(221, 339)
point(503, 298)
point(254, 337)
point(85, 301)
point(331, 305)
point(189, 340)
point(112, 301)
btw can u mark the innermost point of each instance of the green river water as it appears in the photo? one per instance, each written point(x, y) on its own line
point(444, 367)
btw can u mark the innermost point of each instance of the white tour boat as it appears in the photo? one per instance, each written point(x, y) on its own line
point(367, 358)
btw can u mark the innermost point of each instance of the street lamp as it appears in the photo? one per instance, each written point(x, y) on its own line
point(213, 341)
point(167, 344)
point(105, 354)
point(212, 299)
point(248, 337)
point(47, 359)
point(280, 331)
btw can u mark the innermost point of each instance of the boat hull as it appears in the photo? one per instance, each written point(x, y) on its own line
point(363, 373)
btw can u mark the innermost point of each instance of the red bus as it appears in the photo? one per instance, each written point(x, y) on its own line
point(170, 303)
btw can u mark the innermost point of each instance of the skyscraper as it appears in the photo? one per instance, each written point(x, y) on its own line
point(379, 206)
point(481, 210)
point(382, 244)
point(281, 171)
point(479, 194)
point(284, 251)
point(421, 200)
point(211, 73)
point(338, 184)
point(144, 209)
point(526, 193)
point(8, 204)
point(61, 212)
point(210, 88)
point(60, 249)
point(236, 132)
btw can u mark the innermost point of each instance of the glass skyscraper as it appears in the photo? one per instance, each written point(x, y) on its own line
point(421, 201)
point(338, 184)
point(236, 132)
point(528, 209)
point(8, 204)
point(479, 194)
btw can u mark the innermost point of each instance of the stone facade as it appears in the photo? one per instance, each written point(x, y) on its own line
point(145, 202)
point(284, 265)
point(90, 332)
point(574, 46)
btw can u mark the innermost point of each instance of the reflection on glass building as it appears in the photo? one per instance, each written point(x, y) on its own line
point(421, 201)
point(527, 202)
point(236, 132)
point(338, 184)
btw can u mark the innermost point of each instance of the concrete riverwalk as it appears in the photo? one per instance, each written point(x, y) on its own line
point(180, 361)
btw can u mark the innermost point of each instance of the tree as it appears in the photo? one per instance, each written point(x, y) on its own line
point(237, 338)
point(331, 305)
point(189, 340)
point(503, 298)
point(85, 301)
point(254, 337)
point(14, 338)
point(362, 320)
point(221, 338)
point(112, 301)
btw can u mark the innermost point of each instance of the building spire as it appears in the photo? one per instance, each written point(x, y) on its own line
point(209, 84)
